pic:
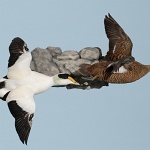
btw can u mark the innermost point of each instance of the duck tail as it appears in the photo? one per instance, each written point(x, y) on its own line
point(84, 69)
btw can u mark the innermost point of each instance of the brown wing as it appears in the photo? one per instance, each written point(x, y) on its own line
point(120, 45)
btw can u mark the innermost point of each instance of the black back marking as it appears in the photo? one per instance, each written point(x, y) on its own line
point(23, 120)
point(5, 96)
point(2, 84)
point(5, 77)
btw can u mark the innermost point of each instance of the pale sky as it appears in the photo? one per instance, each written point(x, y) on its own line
point(112, 118)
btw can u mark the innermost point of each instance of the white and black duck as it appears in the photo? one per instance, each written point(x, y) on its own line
point(21, 84)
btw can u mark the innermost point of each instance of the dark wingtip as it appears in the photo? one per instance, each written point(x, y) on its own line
point(23, 121)
point(24, 140)
point(109, 15)
point(23, 135)
point(16, 42)
point(105, 17)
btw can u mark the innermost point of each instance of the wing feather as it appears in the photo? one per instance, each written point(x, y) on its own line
point(16, 49)
point(22, 107)
point(120, 45)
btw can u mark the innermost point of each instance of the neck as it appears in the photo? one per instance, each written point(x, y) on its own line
point(60, 81)
point(56, 80)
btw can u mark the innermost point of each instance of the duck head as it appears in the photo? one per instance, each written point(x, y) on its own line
point(64, 79)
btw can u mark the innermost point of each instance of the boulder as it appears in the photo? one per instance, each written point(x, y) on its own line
point(90, 53)
point(68, 55)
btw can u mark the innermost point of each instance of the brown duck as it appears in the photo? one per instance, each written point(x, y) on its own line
point(118, 66)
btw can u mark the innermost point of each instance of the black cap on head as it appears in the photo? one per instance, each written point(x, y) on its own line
point(63, 76)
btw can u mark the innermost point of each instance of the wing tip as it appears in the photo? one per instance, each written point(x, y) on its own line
point(23, 130)
point(24, 141)
point(23, 121)
point(109, 17)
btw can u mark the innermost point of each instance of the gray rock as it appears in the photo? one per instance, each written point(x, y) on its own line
point(61, 63)
point(90, 53)
point(73, 62)
point(71, 67)
point(93, 62)
point(69, 55)
point(46, 67)
point(41, 62)
point(43, 53)
point(64, 70)
point(32, 65)
point(83, 61)
point(54, 51)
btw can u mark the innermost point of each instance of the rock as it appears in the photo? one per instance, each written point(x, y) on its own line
point(43, 53)
point(64, 70)
point(90, 53)
point(54, 51)
point(69, 55)
point(71, 67)
point(43, 62)
point(78, 62)
point(61, 63)
point(46, 67)
point(93, 62)
point(83, 61)
point(32, 65)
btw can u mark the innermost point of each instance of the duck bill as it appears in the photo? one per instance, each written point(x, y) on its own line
point(74, 82)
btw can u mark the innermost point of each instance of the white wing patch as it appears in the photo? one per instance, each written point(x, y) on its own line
point(114, 49)
point(122, 69)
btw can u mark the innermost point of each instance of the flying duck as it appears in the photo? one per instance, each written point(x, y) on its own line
point(118, 66)
point(21, 84)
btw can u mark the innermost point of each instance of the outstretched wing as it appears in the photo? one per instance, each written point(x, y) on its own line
point(16, 48)
point(22, 107)
point(120, 44)
point(19, 60)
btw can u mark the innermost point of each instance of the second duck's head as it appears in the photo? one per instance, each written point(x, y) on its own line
point(64, 79)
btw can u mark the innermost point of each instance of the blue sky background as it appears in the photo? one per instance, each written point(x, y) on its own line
point(112, 118)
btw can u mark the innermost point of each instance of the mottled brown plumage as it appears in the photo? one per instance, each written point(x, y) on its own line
point(135, 71)
point(118, 66)
point(120, 45)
